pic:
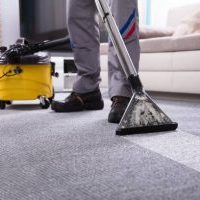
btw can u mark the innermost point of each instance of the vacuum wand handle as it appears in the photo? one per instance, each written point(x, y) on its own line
point(115, 36)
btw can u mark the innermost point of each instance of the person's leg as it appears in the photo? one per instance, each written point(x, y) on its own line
point(126, 15)
point(83, 29)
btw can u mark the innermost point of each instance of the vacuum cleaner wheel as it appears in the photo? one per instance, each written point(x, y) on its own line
point(2, 105)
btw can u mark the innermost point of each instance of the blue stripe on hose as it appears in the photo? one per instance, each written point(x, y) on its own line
point(127, 24)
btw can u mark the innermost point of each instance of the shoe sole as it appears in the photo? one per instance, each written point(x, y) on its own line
point(100, 106)
point(114, 118)
point(113, 121)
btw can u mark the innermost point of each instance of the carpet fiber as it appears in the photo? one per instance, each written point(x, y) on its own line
point(77, 156)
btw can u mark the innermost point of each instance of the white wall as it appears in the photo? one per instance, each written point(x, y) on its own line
point(160, 9)
point(142, 11)
point(9, 11)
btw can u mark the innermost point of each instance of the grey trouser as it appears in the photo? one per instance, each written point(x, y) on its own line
point(83, 26)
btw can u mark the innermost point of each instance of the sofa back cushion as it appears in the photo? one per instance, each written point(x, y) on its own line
point(189, 25)
point(177, 15)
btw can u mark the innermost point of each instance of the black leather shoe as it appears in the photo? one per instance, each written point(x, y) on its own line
point(78, 102)
point(118, 107)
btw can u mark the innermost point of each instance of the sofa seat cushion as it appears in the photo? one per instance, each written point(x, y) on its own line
point(171, 44)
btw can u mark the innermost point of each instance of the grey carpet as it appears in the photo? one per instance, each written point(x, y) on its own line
point(76, 156)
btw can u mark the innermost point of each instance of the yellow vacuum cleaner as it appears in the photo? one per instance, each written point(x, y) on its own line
point(25, 75)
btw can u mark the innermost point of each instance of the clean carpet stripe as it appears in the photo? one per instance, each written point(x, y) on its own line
point(179, 146)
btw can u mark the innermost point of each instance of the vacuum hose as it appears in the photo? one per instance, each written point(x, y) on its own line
point(50, 44)
point(23, 48)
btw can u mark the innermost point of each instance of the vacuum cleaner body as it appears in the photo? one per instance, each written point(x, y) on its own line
point(25, 75)
point(28, 80)
point(25, 81)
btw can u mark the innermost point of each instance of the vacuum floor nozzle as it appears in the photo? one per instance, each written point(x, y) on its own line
point(144, 116)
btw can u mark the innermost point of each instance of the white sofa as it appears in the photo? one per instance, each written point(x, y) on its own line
point(168, 64)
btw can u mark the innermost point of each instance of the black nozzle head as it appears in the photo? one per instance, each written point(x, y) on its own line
point(147, 129)
point(135, 82)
